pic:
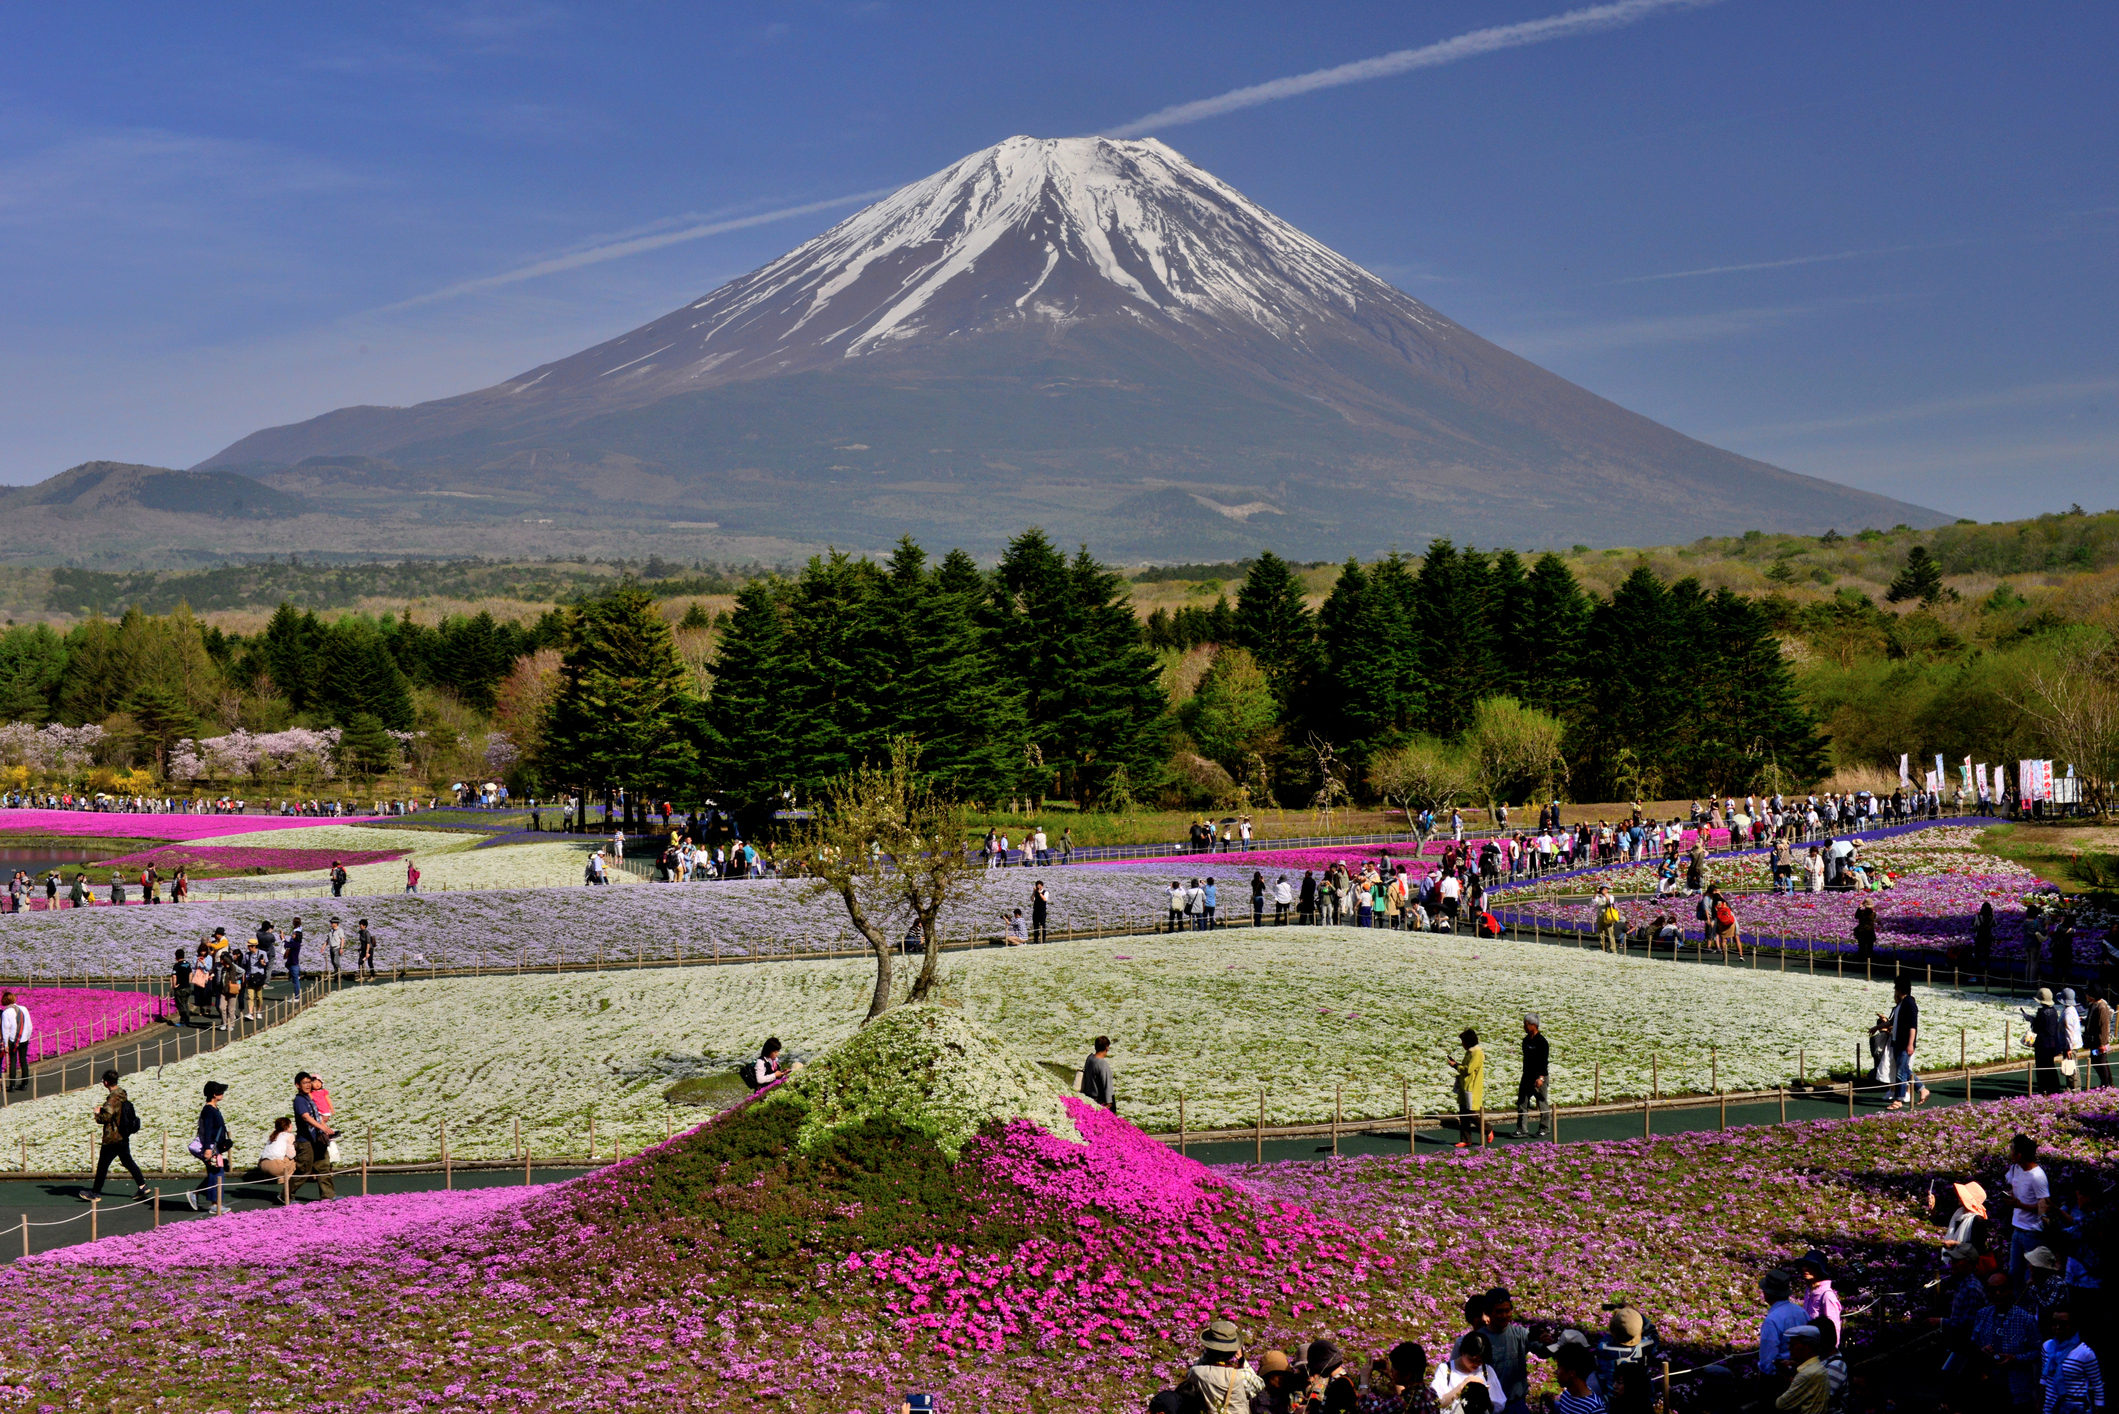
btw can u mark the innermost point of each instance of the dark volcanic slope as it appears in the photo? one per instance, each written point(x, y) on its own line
point(1090, 334)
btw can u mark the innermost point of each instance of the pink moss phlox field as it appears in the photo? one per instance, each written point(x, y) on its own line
point(169, 857)
point(114, 824)
point(391, 1227)
point(446, 1317)
point(64, 1019)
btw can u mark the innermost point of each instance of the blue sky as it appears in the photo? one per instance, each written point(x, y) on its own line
point(1870, 242)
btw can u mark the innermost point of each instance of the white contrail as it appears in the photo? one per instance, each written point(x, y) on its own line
point(1448, 51)
point(1755, 265)
point(617, 249)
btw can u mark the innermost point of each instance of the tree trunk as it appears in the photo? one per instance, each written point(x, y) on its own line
point(931, 961)
point(877, 944)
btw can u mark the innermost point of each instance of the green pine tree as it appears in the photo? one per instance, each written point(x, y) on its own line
point(355, 673)
point(365, 748)
point(1921, 578)
point(1547, 637)
point(939, 682)
point(1274, 623)
point(288, 650)
point(619, 718)
point(749, 754)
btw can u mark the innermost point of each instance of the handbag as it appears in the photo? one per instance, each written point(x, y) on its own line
point(331, 1153)
point(2067, 1066)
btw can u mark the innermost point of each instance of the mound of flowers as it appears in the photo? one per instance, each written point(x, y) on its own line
point(822, 1248)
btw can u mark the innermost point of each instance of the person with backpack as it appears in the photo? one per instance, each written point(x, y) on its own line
point(338, 879)
point(1724, 919)
point(257, 971)
point(120, 1122)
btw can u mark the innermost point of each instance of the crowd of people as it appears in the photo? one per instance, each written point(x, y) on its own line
point(1486, 1369)
point(317, 808)
point(2007, 1324)
point(221, 982)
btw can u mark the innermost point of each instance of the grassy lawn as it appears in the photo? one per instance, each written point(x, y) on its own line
point(2080, 856)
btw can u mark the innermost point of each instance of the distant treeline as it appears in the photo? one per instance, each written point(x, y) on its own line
point(337, 586)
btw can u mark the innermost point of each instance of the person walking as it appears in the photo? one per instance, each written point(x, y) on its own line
point(210, 1146)
point(1903, 1027)
point(412, 871)
point(335, 944)
point(1098, 1087)
point(180, 988)
point(120, 1122)
point(17, 1027)
point(294, 955)
point(2099, 1040)
point(366, 957)
point(2048, 1040)
point(1534, 1087)
point(312, 1141)
point(1469, 1077)
point(338, 879)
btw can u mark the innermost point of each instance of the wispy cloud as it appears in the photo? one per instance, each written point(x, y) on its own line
point(2030, 395)
point(1753, 265)
point(616, 250)
point(1654, 329)
point(1404, 61)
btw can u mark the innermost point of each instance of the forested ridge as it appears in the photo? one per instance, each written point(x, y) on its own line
point(1041, 677)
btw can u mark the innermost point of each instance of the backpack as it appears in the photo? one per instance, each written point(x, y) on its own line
point(128, 1120)
point(1722, 916)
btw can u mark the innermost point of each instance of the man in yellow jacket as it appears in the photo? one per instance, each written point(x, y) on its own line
point(1471, 1088)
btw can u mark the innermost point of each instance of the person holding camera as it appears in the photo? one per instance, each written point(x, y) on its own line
point(1220, 1377)
point(1465, 1383)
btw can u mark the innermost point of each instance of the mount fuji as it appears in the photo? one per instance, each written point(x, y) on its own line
point(1088, 334)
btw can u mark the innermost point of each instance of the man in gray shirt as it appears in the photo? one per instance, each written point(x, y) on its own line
point(1096, 1077)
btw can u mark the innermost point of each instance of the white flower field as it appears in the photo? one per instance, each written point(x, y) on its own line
point(1212, 1016)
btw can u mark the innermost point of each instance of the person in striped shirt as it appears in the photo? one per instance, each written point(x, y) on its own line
point(1577, 1364)
point(2068, 1369)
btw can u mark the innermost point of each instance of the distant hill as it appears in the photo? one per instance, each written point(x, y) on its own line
point(1094, 336)
point(105, 486)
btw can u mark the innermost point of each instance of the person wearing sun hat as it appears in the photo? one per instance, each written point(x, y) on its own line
point(1817, 1298)
point(1220, 1377)
point(1964, 1236)
point(2043, 1287)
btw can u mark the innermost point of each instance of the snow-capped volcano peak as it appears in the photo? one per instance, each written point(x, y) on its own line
point(1049, 212)
point(1028, 232)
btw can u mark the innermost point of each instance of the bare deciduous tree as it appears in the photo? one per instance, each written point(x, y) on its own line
point(1422, 774)
point(891, 849)
point(2076, 706)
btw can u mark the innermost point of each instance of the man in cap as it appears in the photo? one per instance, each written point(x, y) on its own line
point(1809, 1391)
point(1221, 1378)
point(2044, 1287)
point(1281, 1383)
point(1628, 1340)
point(1532, 1088)
point(1782, 1316)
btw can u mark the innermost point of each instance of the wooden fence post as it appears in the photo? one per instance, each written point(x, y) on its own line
point(1258, 1151)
